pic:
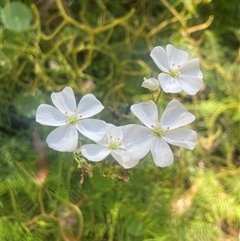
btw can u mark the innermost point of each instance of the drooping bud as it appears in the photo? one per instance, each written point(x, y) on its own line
point(151, 83)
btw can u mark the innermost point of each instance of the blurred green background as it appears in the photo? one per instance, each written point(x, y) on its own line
point(102, 47)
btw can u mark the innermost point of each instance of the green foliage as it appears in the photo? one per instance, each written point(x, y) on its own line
point(103, 47)
point(16, 16)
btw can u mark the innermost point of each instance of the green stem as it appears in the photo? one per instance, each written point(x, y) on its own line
point(159, 95)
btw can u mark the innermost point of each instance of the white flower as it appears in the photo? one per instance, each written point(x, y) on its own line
point(151, 83)
point(139, 140)
point(110, 144)
point(179, 73)
point(71, 119)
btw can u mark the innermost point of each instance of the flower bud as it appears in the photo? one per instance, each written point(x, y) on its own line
point(151, 83)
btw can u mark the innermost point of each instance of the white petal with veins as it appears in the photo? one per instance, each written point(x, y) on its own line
point(161, 152)
point(64, 100)
point(176, 56)
point(137, 140)
point(181, 137)
point(89, 106)
point(50, 116)
point(175, 115)
point(160, 58)
point(123, 158)
point(63, 138)
point(92, 129)
point(94, 152)
point(146, 112)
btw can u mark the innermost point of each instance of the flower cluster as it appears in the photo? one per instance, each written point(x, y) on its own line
point(130, 143)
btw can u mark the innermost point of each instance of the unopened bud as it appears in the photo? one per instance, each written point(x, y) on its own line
point(151, 83)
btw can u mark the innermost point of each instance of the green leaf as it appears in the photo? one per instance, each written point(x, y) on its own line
point(16, 16)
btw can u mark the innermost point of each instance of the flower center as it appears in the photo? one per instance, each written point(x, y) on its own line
point(113, 143)
point(174, 71)
point(72, 119)
point(158, 131)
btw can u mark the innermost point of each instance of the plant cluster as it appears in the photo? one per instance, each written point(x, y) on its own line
point(128, 144)
point(99, 49)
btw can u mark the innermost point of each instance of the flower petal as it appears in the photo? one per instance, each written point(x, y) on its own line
point(146, 112)
point(64, 100)
point(115, 131)
point(161, 152)
point(191, 77)
point(137, 140)
point(176, 56)
point(92, 129)
point(175, 115)
point(169, 84)
point(50, 116)
point(88, 106)
point(190, 84)
point(181, 137)
point(63, 138)
point(159, 56)
point(122, 157)
point(191, 67)
point(95, 152)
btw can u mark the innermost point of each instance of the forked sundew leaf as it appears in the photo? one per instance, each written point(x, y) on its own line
point(16, 16)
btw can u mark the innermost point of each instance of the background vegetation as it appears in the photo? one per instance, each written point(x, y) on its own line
point(102, 47)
